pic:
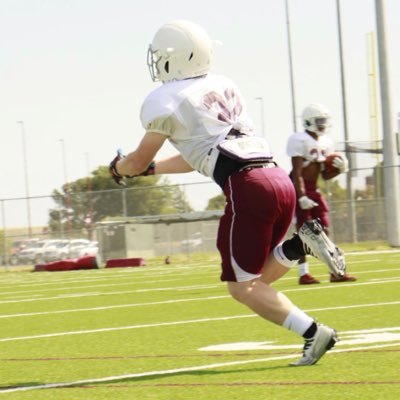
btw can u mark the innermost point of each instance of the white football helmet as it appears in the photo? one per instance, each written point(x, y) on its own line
point(316, 118)
point(180, 50)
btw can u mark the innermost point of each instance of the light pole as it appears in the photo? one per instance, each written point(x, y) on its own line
point(64, 161)
point(66, 187)
point(261, 100)
point(391, 175)
point(349, 183)
point(289, 38)
point(89, 216)
point(25, 161)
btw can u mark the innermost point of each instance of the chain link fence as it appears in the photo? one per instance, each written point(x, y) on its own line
point(123, 228)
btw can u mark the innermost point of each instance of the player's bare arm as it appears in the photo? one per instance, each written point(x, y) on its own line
point(138, 160)
point(297, 176)
point(301, 173)
point(173, 165)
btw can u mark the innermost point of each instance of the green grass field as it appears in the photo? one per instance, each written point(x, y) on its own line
point(172, 332)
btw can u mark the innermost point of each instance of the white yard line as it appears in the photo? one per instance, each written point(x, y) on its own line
point(179, 370)
point(183, 288)
point(102, 308)
point(125, 283)
point(120, 328)
point(105, 275)
point(18, 293)
point(76, 295)
point(173, 323)
point(160, 270)
point(340, 285)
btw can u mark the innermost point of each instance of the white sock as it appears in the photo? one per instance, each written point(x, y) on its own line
point(303, 269)
point(297, 321)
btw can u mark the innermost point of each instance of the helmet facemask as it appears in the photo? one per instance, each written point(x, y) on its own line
point(152, 62)
point(318, 125)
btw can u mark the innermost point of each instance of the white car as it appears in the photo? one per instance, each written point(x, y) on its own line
point(91, 249)
point(54, 251)
point(73, 248)
point(17, 247)
point(34, 254)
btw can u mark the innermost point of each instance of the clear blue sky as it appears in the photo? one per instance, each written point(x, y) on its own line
point(76, 70)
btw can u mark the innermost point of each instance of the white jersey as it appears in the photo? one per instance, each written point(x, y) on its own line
point(302, 144)
point(196, 114)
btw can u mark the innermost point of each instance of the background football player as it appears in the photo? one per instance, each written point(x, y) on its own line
point(308, 151)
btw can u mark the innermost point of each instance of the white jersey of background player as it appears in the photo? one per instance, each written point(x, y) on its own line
point(301, 144)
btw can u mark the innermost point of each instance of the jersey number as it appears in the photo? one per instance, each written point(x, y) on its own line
point(227, 107)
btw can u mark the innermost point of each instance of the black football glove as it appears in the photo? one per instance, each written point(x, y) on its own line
point(118, 178)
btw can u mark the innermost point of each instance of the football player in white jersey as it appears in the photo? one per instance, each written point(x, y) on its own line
point(204, 117)
point(308, 151)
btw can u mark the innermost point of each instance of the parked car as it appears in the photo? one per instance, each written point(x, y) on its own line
point(17, 247)
point(73, 248)
point(91, 249)
point(34, 254)
point(54, 251)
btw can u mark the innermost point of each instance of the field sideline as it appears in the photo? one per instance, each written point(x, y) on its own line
point(172, 332)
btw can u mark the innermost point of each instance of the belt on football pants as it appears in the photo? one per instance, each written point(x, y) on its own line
point(226, 166)
point(269, 164)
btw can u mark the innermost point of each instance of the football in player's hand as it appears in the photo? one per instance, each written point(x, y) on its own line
point(330, 171)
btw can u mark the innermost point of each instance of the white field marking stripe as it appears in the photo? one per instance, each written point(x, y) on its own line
point(120, 328)
point(341, 286)
point(22, 296)
point(382, 279)
point(84, 287)
point(184, 288)
point(389, 303)
point(389, 251)
point(169, 274)
point(182, 268)
point(125, 283)
point(374, 330)
point(102, 308)
point(106, 276)
point(394, 279)
point(155, 279)
point(87, 275)
point(63, 297)
point(168, 278)
point(194, 321)
point(26, 293)
point(180, 370)
point(370, 271)
point(103, 277)
point(115, 306)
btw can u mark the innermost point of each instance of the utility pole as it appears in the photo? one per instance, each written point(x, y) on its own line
point(25, 161)
point(391, 174)
point(349, 186)
point(292, 92)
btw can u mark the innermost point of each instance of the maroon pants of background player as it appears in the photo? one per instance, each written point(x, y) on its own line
point(321, 211)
